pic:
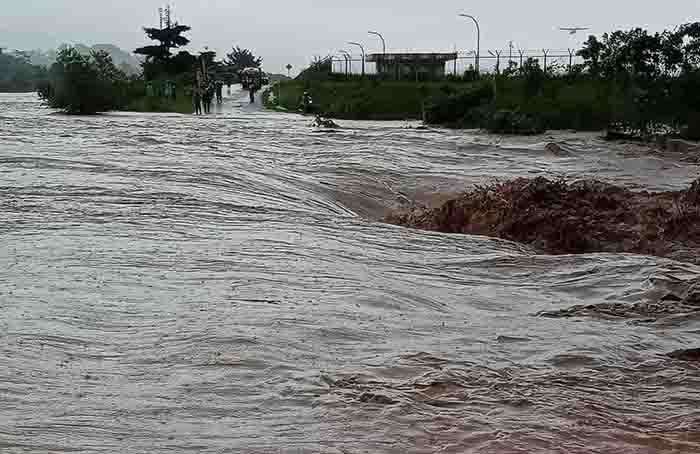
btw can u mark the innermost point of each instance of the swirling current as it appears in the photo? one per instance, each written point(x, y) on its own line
point(222, 284)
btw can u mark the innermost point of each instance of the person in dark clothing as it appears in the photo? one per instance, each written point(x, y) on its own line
point(208, 97)
point(197, 101)
point(219, 92)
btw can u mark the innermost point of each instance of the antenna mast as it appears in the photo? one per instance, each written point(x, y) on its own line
point(168, 22)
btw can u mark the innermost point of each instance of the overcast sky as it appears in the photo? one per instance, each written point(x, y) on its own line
point(293, 31)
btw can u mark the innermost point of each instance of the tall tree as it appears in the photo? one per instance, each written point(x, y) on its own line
point(240, 59)
point(169, 38)
point(690, 42)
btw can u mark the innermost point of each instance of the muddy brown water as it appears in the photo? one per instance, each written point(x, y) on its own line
point(173, 284)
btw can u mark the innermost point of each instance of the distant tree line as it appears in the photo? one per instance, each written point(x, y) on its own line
point(17, 74)
point(637, 54)
point(633, 83)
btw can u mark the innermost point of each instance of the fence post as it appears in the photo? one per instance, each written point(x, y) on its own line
point(546, 52)
point(497, 54)
point(571, 59)
point(521, 52)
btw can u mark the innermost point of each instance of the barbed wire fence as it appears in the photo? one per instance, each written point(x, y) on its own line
point(491, 61)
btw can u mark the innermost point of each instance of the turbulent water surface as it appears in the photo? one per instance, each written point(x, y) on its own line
point(174, 284)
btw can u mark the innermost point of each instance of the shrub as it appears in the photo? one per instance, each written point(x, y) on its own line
point(514, 122)
point(452, 108)
point(83, 84)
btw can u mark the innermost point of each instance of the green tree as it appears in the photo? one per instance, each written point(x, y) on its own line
point(689, 39)
point(240, 59)
point(591, 54)
point(169, 38)
point(83, 84)
point(320, 68)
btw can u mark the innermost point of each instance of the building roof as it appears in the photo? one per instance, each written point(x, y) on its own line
point(423, 57)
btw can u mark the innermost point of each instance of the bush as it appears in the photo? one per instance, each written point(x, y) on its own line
point(84, 84)
point(514, 122)
point(452, 108)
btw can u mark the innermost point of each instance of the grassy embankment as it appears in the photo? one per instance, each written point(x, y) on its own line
point(518, 105)
point(141, 103)
point(360, 100)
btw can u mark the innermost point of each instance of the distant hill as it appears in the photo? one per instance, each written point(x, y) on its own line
point(126, 61)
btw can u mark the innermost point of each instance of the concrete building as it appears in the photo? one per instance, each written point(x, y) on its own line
point(417, 66)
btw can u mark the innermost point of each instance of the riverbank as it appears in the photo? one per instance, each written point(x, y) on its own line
point(526, 105)
point(559, 217)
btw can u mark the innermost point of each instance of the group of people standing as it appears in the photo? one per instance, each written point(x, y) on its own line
point(205, 91)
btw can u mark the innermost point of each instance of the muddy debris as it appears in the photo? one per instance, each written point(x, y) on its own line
point(380, 399)
point(556, 150)
point(680, 299)
point(560, 217)
point(682, 146)
point(692, 355)
point(320, 122)
point(649, 311)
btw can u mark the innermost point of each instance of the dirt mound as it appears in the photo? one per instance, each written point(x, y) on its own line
point(558, 217)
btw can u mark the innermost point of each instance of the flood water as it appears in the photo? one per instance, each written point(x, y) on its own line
point(222, 284)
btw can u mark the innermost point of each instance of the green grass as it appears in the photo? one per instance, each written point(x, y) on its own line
point(518, 104)
point(362, 100)
point(182, 104)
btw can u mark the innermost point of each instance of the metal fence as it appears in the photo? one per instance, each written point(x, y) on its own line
point(491, 61)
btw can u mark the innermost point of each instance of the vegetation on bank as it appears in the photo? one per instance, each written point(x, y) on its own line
point(82, 82)
point(357, 99)
point(632, 82)
point(85, 84)
point(18, 75)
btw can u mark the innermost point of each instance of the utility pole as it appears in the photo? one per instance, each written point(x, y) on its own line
point(478, 39)
point(456, 55)
point(363, 55)
point(383, 45)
